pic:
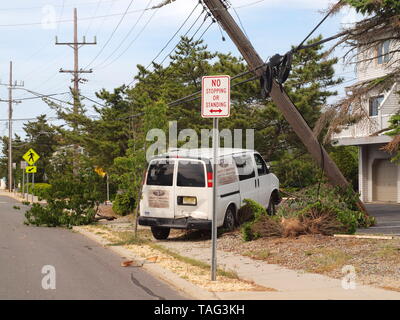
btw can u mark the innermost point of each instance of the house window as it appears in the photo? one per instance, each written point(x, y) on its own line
point(383, 52)
point(374, 104)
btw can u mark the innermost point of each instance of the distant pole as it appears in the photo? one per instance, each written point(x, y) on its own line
point(10, 102)
point(10, 177)
point(108, 190)
point(23, 182)
point(75, 45)
point(33, 184)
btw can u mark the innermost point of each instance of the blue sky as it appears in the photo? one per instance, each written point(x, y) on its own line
point(29, 27)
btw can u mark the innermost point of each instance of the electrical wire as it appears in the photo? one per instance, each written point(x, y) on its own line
point(318, 25)
point(127, 36)
point(99, 2)
point(133, 40)
point(71, 20)
point(61, 15)
point(62, 5)
point(111, 36)
point(42, 96)
point(174, 35)
point(186, 33)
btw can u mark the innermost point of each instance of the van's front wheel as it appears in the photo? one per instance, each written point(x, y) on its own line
point(229, 221)
point(160, 233)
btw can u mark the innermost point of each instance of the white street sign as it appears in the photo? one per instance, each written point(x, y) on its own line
point(215, 96)
point(24, 164)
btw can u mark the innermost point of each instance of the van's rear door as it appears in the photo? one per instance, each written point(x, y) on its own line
point(192, 194)
point(158, 192)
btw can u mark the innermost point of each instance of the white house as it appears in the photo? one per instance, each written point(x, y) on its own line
point(378, 177)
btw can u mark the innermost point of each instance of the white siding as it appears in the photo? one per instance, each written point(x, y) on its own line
point(392, 103)
point(367, 70)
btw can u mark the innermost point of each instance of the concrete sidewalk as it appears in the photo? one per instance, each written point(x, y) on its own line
point(289, 284)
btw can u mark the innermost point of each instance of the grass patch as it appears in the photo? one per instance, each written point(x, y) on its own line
point(128, 238)
point(258, 254)
point(326, 260)
point(193, 262)
point(388, 251)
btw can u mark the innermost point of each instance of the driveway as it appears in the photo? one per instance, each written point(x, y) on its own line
point(387, 216)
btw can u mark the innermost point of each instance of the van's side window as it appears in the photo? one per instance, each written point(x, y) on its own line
point(245, 167)
point(190, 174)
point(160, 173)
point(262, 168)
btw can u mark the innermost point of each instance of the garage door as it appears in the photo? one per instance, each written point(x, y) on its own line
point(384, 181)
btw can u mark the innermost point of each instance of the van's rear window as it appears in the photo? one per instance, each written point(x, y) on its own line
point(160, 173)
point(191, 174)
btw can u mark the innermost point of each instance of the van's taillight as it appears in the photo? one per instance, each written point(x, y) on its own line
point(209, 179)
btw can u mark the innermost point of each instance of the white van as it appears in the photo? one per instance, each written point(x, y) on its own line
point(178, 192)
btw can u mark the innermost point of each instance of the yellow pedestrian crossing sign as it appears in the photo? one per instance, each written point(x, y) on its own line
point(31, 156)
point(31, 169)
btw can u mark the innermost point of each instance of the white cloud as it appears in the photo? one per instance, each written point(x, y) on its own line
point(350, 16)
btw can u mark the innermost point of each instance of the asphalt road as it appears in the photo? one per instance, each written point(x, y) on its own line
point(387, 218)
point(83, 269)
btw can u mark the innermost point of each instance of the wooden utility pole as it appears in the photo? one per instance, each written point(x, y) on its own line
point(283, 102)
point(10, 101)
point(75, 45)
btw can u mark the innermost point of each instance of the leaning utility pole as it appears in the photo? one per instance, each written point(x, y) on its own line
point(283, 102)
point(10, 101)
point(75, 45)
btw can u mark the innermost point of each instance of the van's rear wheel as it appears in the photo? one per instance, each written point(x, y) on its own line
point(160, 233)
point(229, 221)
point(274, 200)
point(271, 208)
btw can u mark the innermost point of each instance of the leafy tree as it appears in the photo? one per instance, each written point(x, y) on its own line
point(72, 199)
point(42, 137)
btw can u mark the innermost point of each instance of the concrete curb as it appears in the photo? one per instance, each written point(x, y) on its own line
point(171, 278)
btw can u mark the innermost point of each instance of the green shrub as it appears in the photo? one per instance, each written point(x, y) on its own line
point(123, 204)
point(72, 199)
point(39, 189)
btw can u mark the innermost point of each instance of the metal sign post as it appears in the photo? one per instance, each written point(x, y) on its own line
point(215, 103)
point(33, 184)
point(214, 216)
point(23, 167)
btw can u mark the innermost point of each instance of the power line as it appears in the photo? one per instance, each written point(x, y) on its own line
point(69, 20)
point(62, 5)
point(190, 28)
point(127, 35)
point(42, 96)
point(111, 36)
point(174, 35)
point(187, 34)
point(99, 2)
point(318, 25)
